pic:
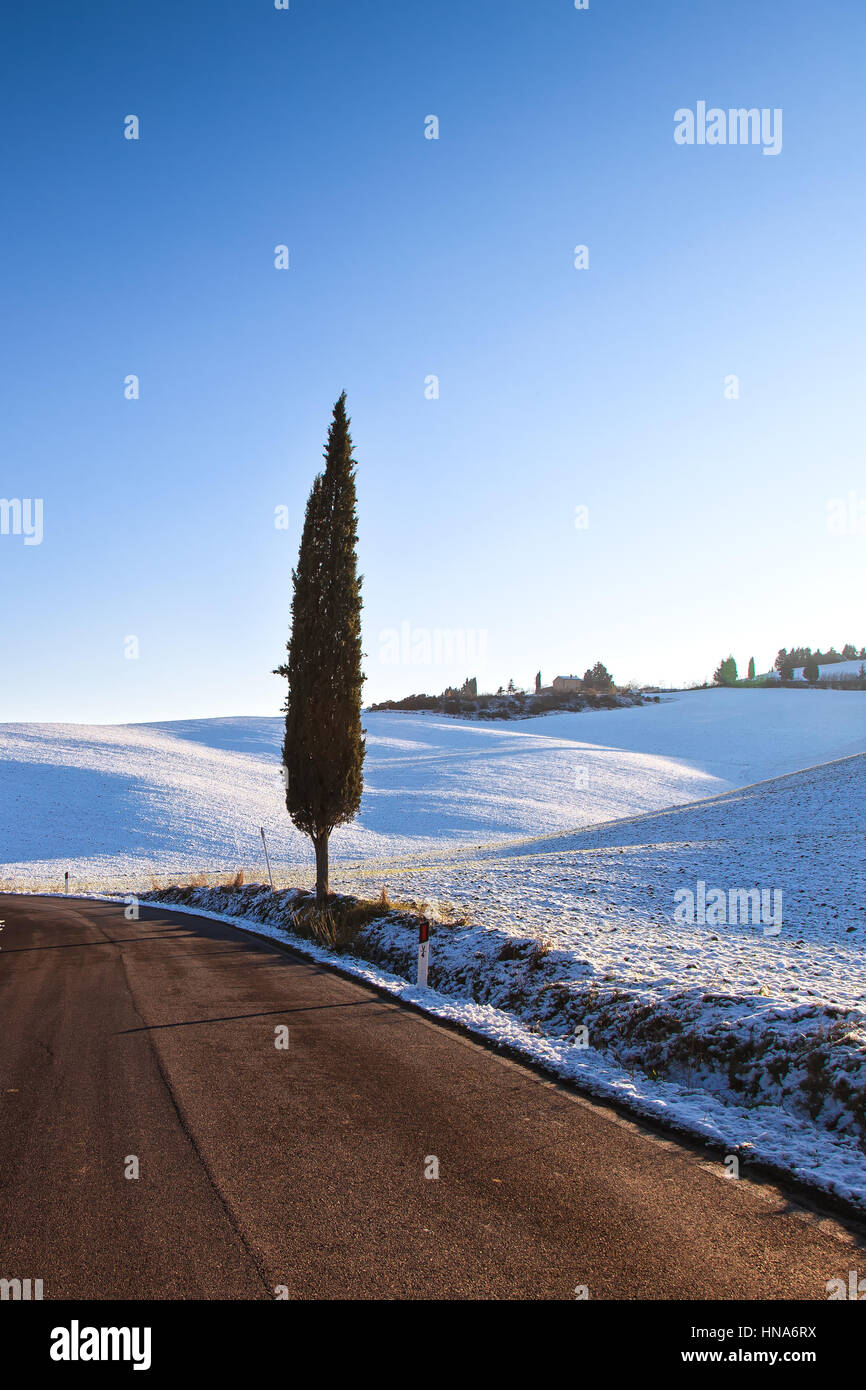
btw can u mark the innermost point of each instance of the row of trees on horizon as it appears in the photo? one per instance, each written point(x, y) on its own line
point(787, 662)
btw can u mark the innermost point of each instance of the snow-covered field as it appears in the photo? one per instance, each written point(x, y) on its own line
point(561, 855)
point(115, 803)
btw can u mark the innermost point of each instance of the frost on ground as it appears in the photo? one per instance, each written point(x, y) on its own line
point(113, 804)
point(552, 855)
point(757, 1041)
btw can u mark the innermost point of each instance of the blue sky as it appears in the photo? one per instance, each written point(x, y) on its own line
point(558, 388)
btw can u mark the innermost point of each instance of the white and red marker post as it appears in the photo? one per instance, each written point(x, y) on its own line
point(423, 953)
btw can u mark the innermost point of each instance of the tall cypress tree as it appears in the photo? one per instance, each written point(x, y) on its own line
point(323, 749)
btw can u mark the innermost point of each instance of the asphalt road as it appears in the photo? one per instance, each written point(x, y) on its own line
point(304, 1168)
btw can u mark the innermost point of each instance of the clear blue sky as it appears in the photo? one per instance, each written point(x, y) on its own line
point(559, 387)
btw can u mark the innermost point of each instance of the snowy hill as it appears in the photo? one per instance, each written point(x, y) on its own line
point(114, 803)
point(554, 854)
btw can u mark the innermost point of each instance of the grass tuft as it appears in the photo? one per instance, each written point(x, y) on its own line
point(336, 924)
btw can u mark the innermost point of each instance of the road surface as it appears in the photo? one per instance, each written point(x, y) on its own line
point(300, 1171)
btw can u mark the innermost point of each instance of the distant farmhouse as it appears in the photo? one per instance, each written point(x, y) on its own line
point(562, 685)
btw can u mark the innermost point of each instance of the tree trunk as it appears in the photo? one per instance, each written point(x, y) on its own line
point(320, 844)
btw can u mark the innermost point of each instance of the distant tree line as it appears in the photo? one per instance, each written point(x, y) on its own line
point(787, 662)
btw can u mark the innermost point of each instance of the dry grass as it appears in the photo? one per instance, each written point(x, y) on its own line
point(335, 924)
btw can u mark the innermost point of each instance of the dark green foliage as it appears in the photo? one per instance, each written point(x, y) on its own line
point(798, 656)
point(323, 750)
point(810, 669)
point(751, 668)
point(598, 677)
point(726, 672)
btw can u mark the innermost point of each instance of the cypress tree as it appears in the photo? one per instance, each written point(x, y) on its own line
point(751, 668)
point(323, 748)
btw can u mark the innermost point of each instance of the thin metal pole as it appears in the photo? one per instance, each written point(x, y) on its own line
point(267, 857)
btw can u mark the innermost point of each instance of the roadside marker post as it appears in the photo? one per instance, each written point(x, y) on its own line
point(423, 953)
point(66, 883)
point(267, 857)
